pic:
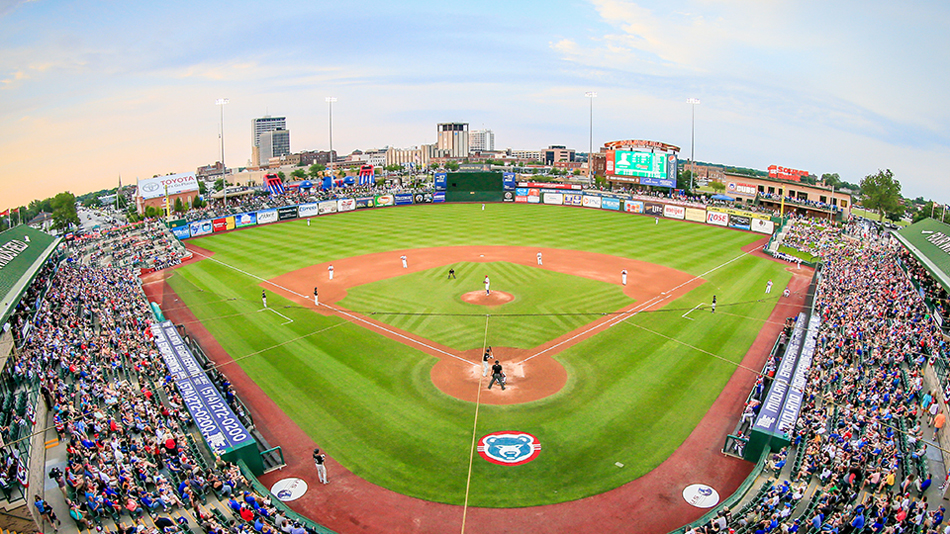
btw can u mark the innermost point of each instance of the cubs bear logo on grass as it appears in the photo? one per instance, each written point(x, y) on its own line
point(509, 447)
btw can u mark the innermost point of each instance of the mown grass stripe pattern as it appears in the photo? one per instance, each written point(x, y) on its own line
point(632, 396)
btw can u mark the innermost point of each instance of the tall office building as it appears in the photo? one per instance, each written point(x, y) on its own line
point(481, 140)
point(273, 144)
point(453, 139)
point(260, 126)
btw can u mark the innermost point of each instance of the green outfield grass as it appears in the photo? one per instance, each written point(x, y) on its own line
point(634, 392)
point(536, 291)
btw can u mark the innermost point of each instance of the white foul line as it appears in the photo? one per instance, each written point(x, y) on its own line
point(341, 312)
point(627, 315)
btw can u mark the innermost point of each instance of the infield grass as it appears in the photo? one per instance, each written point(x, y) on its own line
point(634, 392)
point(553, 303)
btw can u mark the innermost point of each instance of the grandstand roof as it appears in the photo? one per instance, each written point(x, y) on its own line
point(929, 240)
point(22, 252)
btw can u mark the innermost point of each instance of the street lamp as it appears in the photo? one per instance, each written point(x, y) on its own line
point(590, 150)
point(693, 102)
point(222, 102)
point(330, 101)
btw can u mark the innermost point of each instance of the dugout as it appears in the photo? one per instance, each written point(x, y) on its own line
point(474, 187)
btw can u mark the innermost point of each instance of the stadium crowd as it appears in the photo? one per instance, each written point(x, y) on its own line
point(115, 405)
point(148, 244)
point(861, 438)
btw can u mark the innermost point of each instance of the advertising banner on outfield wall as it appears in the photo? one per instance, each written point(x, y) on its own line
point(365, 202)
point(345, 204)
point(440, 179)
point(181, 232)
point(717, 218)
point(573, 199)
point(266, 216)
point(653, 209)
point(696, 214)
point(219, 225)
point(521, 194)
point(750, 214)
point(311, 209)
point(590, 201)
point(610, 203)
point(402, 199)
point(420, 198)
point(385, 200)
point(672, 211)
point(200, 228)
point(553, 198)
point(534, 196)
point(762, 226)
point(218, 425)
point(245, 219)
point(508, 196)
point(509, 183)
point(438, 196)
point(633, 206)
point(286, 213)
point(741, 222)
point(327, 206)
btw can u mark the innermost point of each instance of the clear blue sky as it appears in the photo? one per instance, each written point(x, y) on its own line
point(93, 90)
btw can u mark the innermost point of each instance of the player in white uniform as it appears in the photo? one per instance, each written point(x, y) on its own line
point(316, 297)
point(487, 286)
point(264, 297)
point(330, 271)
point(539, 259)
point(405, 261)
point(768, 287)
point(623, 277)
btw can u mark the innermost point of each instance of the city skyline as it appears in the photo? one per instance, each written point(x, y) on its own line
point(90, 93)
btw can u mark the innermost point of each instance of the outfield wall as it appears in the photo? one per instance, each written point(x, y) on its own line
point(620, 202)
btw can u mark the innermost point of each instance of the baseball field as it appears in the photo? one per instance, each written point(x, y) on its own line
point(385, 373)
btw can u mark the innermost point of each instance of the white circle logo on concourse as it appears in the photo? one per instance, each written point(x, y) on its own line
point(509, 447)
point(701, 496)
point(289, 489)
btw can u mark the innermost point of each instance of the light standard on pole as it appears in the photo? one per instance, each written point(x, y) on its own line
point(693, 102)
point(330, 101)
point(590, 150)
point(224, 169)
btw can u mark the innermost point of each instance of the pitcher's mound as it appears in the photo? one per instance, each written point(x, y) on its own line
point(496, 298)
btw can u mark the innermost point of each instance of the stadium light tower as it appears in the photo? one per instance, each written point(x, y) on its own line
point(693, 102)
point(222, 102)
point(590, 150)
point(330, 101)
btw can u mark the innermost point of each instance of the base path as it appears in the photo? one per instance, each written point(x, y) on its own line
point(652, 504)
point(533, 373)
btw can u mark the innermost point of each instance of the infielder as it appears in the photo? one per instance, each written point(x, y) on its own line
point(316, 297)
point(539, 259)
point(320, 460)
point(330, 271)
point(487, 286)
point(405, 262)
point(264, 297)
point(623, 277)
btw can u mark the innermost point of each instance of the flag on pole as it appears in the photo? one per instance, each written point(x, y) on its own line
point(5, 212)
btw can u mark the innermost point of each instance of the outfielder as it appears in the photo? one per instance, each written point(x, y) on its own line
point(405, 262)
point(768, 287)
point(264, 297)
